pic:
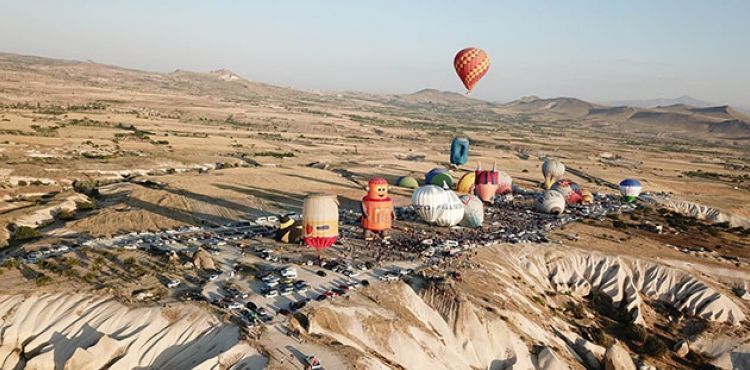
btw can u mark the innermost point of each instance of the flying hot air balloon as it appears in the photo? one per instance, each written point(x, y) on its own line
point(553, 170)
point(630, 189)
point(485, 183)
point(471, 65)
point(459, 151)
point(320, 220)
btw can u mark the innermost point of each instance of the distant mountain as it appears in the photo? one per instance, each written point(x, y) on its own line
point(661, 102)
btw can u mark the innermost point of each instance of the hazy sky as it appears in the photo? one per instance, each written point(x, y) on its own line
point(596, 50)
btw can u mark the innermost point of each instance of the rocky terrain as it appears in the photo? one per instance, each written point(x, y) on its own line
point(91, 151)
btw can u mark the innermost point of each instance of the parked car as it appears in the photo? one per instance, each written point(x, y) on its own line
point(313, 363)
point(251, 306)
point(289, 272)
point(235, 305)
point(286, 290)
point(270, 293)
point(321, 273)
point(173, 284)
point(321, 297)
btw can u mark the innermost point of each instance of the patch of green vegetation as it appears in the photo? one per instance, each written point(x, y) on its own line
point(26, 233)
point(653, 346)
point(280, 155)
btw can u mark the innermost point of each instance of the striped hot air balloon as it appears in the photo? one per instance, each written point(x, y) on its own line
point(485, 183)
point(471, 65)
point(630, 189)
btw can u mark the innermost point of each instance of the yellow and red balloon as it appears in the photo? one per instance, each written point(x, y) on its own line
point(471, 65)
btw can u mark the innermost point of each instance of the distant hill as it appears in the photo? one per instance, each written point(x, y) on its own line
point(651, 103)
point(563, 105)
point(437, 97)
point(684, 115)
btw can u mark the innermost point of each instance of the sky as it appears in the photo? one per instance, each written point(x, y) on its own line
point(594, 50)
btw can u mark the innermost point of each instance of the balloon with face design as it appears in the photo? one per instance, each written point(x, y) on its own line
point(377, 206)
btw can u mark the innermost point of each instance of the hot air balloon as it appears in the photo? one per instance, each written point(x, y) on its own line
point(473, 211)
point(377, 209)
point(443, 180)
point(459, 151)
point(465, 185)
point(428, 202)
point(471, 65)
point(630, 189)
point(407, 182)
point(452, 211)
point(504, 183)
point(586, 196)
point(290, 230)
point(428, 177)
point(570, 190)
point(551, 201)
point(552, 169)
point(320, 219)
point(485, 183)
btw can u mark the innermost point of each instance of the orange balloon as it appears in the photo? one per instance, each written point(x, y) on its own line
point(471, 65)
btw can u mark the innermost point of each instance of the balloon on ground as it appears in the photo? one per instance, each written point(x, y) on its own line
point(473, 211)
point(430, 174)
point(377, 209)
point(504, 183)
point(459, 151)
point(465, 184)
point(553, 170)
point(320, 219)
point(630, 189)
point(407, 182)
point(485, 183)
point(550, 201)
point(570, 190)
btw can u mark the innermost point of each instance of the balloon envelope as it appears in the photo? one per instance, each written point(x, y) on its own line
point(320, 220)
point(570, 190)
point(552, 169)
point(550, 201)
point(452, 212)
point(442, 180)
point(407, 182)
point(630, 189)
point(504, 183)
point(428, 201)
point(433, 172)
point(465, 184)
point(471, 65)
point(459, 151)
point(473, 211)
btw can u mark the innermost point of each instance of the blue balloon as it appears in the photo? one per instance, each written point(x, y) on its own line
point(459, 151)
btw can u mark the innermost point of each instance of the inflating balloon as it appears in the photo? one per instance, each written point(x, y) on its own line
point(551, 201)
point(485, 183)
point(570, 190)
point(459, 151)
point(630, 189)
point(473, 211)
point(504, 183)
point(320, 219)
point(377, 209)
point(465, 185)
point(407, 182)
point(553, 170)
point(471, 65)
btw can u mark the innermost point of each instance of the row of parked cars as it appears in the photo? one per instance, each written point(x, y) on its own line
point(45, 252)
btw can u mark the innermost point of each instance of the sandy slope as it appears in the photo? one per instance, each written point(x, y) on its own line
point(68, 331)
point(494, 318)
